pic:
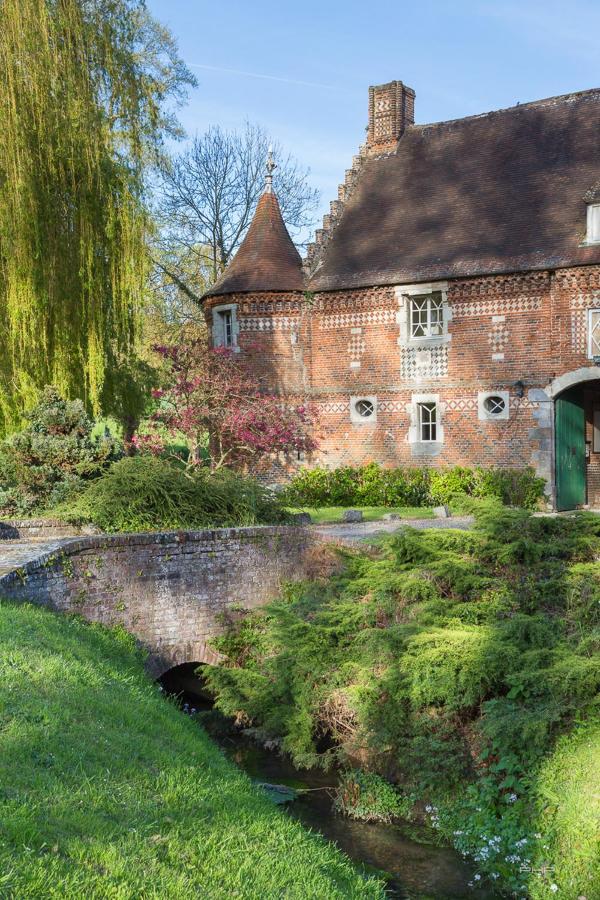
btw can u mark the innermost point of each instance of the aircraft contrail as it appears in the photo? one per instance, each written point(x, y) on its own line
point(311, 84)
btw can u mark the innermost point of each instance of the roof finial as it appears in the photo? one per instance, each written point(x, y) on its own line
point(271, 164)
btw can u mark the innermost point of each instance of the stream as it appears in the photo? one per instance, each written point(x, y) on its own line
point(414, 869)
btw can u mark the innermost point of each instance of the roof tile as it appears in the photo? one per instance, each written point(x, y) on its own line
point(500, 192)
point(267, 259)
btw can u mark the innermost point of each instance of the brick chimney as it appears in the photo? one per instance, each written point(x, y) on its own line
point(391, 111)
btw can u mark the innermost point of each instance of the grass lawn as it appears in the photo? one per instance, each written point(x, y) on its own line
point(329, 514)
point(107, 791)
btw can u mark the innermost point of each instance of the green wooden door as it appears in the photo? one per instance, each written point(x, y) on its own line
point(570, 449)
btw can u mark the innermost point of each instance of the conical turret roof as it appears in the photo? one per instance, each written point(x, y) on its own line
point(267, 259)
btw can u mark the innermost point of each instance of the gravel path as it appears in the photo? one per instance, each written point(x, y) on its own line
point(352, 534)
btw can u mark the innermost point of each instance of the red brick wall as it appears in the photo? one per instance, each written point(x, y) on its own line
point(272, 336)
point(528, 327)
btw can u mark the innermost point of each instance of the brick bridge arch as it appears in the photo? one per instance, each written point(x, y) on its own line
point(168, 589)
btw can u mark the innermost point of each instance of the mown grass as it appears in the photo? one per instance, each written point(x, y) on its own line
point(326, 515)
point(568, 794)
point(107, 791)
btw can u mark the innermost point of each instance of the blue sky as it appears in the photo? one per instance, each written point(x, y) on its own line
point(302, 70)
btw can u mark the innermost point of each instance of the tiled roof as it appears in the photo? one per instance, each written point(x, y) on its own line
point(267, 259)
point(500, 192)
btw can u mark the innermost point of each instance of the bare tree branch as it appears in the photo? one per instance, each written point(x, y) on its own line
point(207, 196)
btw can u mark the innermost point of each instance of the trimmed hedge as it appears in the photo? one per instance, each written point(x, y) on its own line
point(372, 485)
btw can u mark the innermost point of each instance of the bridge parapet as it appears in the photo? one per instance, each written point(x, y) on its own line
point(168, 589)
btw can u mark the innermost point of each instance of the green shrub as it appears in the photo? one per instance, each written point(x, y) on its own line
point(445, 484)
point(465, 663)
point(372, 485)
point(368, 797)
point(143, 493)
point(53, 457)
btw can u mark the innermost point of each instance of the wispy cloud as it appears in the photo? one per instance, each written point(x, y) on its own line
point(311, 84)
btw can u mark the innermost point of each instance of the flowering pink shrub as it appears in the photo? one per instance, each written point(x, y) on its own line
point(211, 393)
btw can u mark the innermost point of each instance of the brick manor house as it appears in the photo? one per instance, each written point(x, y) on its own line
point(448, 311)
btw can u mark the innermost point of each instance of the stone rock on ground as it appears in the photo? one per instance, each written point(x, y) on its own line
point(353, 515)
point(441, 512)
point(302, 518)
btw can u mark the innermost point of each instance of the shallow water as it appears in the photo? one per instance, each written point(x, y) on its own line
point(416, 870)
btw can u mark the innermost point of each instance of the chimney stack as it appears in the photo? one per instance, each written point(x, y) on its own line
point(391, 111)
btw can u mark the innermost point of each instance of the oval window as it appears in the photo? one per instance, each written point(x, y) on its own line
point(494, 405)
point(364, 408)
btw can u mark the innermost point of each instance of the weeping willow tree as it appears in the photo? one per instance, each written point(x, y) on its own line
point(83, 85)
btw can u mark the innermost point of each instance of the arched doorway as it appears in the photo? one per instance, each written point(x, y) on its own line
point(577, 438)
point(570, 449)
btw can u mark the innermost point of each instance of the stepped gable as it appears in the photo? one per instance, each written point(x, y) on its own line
point(267, 259)
point(490, 194)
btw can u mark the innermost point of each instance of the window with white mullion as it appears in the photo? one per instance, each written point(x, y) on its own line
point(593, 333)
point(427, 421)
point(427, 316)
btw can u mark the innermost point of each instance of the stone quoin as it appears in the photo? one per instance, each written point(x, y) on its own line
point(448, 311)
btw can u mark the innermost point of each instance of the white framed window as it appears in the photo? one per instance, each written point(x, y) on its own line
point(593, 333)
point(363, 410)
point(427, 316)
point(225, 326)
point(423, 314)
point(493, 406)
point(427, 418)
point(426, 429)
point(593, 223)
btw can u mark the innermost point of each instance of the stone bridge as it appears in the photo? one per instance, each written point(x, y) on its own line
point(167, 589)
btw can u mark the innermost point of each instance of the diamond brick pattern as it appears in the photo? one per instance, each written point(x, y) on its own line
point(498, 306)
point(335, 407)
point(349, 320)
point(585, 301)
point(391, 406)
point(277, 323)
point(460, 404)
point(578, 331)
point(417, 363)
point(356, 347)
point(498, 337)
